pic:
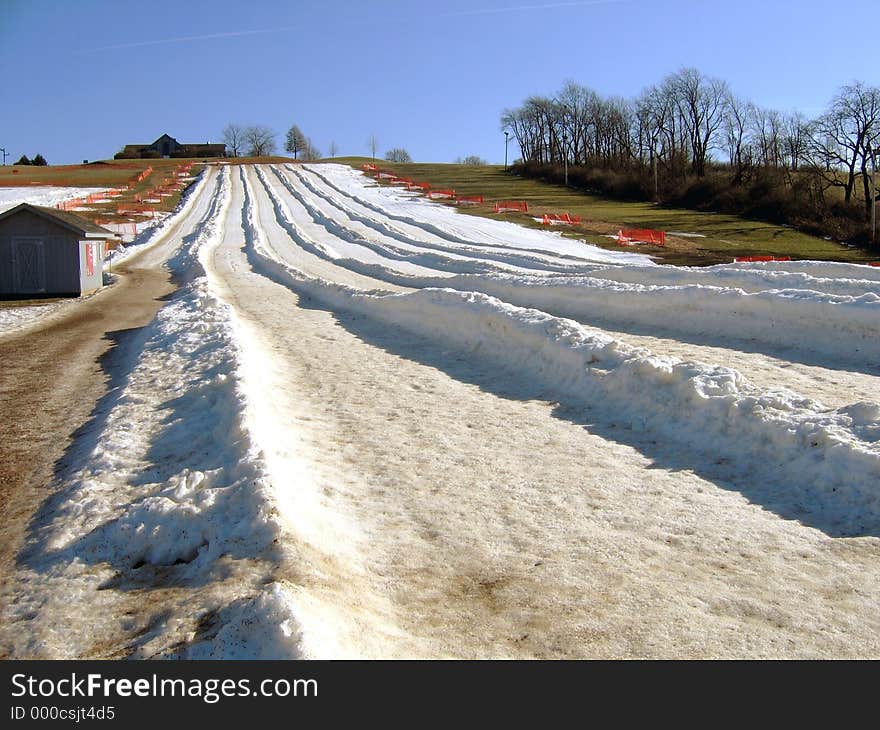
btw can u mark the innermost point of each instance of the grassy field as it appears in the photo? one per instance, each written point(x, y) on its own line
point(719, 238)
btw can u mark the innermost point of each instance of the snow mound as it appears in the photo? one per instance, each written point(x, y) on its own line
point(821, 463)
point(260, 627)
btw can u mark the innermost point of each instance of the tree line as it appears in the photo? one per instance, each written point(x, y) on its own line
point(259, 141)
point(689, 140)
point(38, 160)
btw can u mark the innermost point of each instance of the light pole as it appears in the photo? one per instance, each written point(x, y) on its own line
point(873, 194)
point(506, 137)
point(5, 155)
point(565, 154)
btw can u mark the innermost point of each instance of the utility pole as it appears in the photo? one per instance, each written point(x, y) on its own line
point(5, 155)
point(506, 136)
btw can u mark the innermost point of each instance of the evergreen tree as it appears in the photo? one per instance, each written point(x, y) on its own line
point(296, 141)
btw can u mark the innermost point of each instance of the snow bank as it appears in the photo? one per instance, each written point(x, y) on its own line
point(260, 627)
point(845, 328)
point(171, 477)
point(824, 465)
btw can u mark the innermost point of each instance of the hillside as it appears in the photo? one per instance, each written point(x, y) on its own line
point(694, 238)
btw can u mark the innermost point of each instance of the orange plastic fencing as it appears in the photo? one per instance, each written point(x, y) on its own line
point(126, 229)
point(469, 200)
point(560, 218)
point(385, 175)
point(71, 204)
point(401, 181)
point(424, 187)
point(435, 194)
point(369, 168)
point(642, 235)
point(145, 173)
point(506, 206)
point(140, 208)
point(752, 259)
point(874, 263)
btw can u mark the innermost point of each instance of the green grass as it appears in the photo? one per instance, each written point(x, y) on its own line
point(726, 236)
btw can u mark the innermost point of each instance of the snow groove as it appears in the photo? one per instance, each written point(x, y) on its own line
point(823, 466)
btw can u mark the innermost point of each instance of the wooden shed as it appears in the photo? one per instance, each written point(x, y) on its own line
point(46, 252)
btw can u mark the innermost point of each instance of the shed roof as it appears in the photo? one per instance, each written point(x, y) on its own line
point(71, 221)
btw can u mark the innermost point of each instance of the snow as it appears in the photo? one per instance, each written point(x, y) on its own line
point(45, 195)
point(299, 512)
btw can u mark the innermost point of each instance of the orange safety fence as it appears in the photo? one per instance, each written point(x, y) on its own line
point(506, 206)
point(469, 200)
point(126, 229)
point(385, 175)
point(424, 187)
point(402, 181)
point(560, 218)
point(753, 259)
point(642, 235)
point(874, 263)
point(434, 194)
point(139, 208)
point(70, 204)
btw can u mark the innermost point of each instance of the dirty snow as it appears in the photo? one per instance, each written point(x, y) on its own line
point(370, 426)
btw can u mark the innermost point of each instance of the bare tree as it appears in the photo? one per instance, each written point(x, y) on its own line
point(334, 149)
point(736, 127)
point(840, 139)
point(295, 142)
point(234, 137)
point(398, 154)
point(474, 160)
point(260, 141)
point(702, 104)
point(310, 153)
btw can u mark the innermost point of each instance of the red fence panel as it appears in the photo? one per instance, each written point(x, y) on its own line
point(506, 206)
point(469, 200)
point(434, 194)
point(757, 259)
point(560, 219)
point(643, 235)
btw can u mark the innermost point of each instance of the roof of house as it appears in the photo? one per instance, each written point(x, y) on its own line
point(71, 221)
point(164, 136)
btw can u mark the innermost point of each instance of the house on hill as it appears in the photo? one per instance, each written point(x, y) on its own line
point(167, 146)
point(46, 252)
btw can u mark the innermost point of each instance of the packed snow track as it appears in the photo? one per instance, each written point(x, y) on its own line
point(369, 426)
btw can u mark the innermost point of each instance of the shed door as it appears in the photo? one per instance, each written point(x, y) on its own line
point(29, 265)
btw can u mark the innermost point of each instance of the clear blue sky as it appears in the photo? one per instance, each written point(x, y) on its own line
point(81, 78)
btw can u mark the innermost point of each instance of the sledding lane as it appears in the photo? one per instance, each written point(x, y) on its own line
point(770, 367)
point(441, 507)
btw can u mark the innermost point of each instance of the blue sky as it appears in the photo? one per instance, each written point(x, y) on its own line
point(81, 78)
